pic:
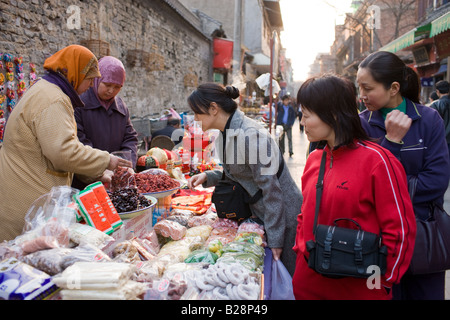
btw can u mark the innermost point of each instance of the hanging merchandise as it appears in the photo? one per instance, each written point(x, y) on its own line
point(20, 76)
point(2, 126)
point(10, 94)
point(33, 76)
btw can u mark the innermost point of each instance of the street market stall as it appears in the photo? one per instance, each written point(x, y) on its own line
point(146, 236)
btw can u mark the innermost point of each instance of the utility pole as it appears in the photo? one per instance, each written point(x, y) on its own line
point(238, 12)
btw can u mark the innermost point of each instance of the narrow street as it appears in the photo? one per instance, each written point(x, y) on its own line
point(296, 164)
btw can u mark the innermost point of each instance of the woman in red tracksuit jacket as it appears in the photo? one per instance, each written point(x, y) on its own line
point(362, 181)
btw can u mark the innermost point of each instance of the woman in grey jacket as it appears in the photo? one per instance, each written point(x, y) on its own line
point(252, 159)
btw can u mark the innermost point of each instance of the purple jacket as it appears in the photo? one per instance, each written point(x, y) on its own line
point(423, 154)
point(109, 130)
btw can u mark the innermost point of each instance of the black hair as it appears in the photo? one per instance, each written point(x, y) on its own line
point(332, 98)
point(200, 100)
point(285, 97)
point(443, 86)
point(172, 121)
point(386, 68)
point(434, 95)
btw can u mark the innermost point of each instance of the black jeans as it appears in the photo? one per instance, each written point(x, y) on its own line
point(287, 131)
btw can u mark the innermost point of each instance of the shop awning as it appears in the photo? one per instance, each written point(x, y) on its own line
point(401, 42)
point(408, 39)
point(440, 25)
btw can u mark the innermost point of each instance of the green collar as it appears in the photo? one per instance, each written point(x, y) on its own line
point(401, 107)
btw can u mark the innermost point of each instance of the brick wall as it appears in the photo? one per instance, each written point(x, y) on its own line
point(165, 56)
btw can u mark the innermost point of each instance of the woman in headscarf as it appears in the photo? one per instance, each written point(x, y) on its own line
point(104, 122)
point(40, 148)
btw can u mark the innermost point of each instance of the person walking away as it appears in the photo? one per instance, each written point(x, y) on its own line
point(40, 147)
point(253, 160)
point(286, 118)
point(104, 121)
point(358, 173)
point(415, 134)
point(442, 105)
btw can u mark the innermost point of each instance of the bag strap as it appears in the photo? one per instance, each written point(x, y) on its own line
point(319, 189)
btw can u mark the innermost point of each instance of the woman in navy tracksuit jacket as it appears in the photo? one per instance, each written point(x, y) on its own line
point(415, 134)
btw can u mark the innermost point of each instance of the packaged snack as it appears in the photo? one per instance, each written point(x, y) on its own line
point(92, 211)
point(85, 234)
point(171, 229)
point(201, 255)
point(106, 203)
point(126, 252)
point(86, 253)
point(201, 231)
point(48, 261)
point(19, 281)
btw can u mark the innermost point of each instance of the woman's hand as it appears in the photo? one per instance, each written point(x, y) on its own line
point(106, 178)
point(194, 181)
point(115, 162)
point(276, 253)
point(397, 125)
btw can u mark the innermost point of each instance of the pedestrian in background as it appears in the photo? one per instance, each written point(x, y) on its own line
point(442, 105)
point(362, 181)
point(300, 115)
point(286, 117)
point(432, 98)
point(173, 130)
point(41, 149)
point(104, 121)
point(280, 201)
point(415, 135)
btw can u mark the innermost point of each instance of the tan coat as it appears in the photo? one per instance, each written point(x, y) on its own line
point(40, 150)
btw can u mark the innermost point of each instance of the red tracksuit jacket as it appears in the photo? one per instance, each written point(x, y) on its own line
point(367, 184)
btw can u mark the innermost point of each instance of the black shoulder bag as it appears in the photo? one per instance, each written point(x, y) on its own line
point(232, 201)
point(342, 252)
point(432, 245)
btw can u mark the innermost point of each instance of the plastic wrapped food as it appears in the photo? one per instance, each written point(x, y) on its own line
point(122, 178)
point(249, 260)
point(85, 234)
point(180, 216)
point(93, 276)
point(251, 237)
point(171, 229)
point(84, 253)
point(126, 252)
point(223, 234)
point(48, 261)
point(166, 289)
point(181, 248)
point(235, 246)
point(202, 255)
point(147, 271)
point(47, 221)
point(205, 219)
point(55, 204)
point(201, 231)
point(252, 225)
point(20, 281)
point(216, 246)
point(225, 223)
point(150, 242)
point(131, 290)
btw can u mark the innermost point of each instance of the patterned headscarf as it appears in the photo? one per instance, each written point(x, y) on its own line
point(112, 71)
point(75, 62)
